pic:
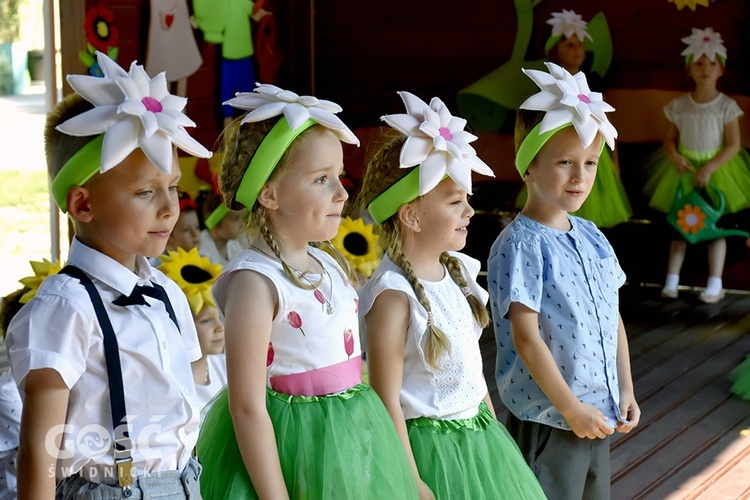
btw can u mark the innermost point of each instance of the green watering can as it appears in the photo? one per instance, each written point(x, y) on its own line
point(695, 218)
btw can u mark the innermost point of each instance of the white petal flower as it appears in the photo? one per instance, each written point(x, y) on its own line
point(568, 23)
point(268, 101)
point(706, 42)
point(568, 99)
point(437, 142)
point(132, 110)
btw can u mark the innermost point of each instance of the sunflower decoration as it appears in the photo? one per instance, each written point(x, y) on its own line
point(41, 271)
point(689, 3)
point(101, 35)
point(194, 274)
point(356, 241)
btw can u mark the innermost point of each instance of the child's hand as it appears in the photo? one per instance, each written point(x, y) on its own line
point(701, 178)
point(682, 163)
point(630, 410)
point(587, 421)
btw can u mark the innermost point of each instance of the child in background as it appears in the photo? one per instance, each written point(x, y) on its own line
point(222, 227)
point(301, 424)
point(702, 145)
point(195, 275)
point(563, 368)
point(187, 231)
point(10, 406)
point(94, 349)
point(425, 312)
point(607, 204)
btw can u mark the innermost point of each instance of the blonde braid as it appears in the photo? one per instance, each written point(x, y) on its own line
point(455, 269)
point(265, 232)
point(436, 343)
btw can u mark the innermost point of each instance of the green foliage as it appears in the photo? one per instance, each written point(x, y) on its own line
point(9, 21)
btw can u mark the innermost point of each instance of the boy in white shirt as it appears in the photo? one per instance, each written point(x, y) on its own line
point(99, 425)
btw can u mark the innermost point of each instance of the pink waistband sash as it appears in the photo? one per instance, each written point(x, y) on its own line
point(321, 382)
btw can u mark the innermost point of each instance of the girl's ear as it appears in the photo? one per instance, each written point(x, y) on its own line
point(407, 216)
point(268, 197)
point(79, 205)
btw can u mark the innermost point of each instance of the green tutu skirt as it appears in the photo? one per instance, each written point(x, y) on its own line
point(732, 179)
point(740, 378)
point(330, 447)
point(471, 459)
point(607, 204)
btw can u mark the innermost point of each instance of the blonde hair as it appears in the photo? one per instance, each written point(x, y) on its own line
point(58, 146)
point(240, 143)
point(383, 170)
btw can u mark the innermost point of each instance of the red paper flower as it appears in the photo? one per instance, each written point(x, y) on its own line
point(269, 356)
point(294, 319)
point(99, 30)
point(348, 342)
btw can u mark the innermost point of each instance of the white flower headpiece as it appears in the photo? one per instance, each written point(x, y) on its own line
point(268, 101)
point(568, 23)
point(133, 111)
point(567, 99)
point(437, 142)
point(299, 113)
point(706, 42)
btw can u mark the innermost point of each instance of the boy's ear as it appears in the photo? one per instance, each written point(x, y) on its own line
point(408, 218)
point(268, 197)
point(79, 206)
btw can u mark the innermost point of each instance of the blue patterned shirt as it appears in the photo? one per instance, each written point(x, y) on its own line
point(571, 279)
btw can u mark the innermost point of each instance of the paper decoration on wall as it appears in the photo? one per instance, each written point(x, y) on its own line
point(101, 35)
point(227, 22)
point(489, 103)
point(171, 44)
point(689, 3)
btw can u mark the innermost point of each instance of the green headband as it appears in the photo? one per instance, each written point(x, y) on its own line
point(264, 161)
point(217, 216)
point(689, 59)
point(404, 191)
point(77, 170)
point(534, 142)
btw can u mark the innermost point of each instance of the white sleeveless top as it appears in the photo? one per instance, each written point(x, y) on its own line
point(304, 337)
point(454, 391)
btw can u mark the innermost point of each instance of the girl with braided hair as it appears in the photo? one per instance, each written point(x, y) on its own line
point(295, 420)
point(424, 311)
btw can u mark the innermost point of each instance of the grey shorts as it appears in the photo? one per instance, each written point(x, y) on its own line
point(167, 484)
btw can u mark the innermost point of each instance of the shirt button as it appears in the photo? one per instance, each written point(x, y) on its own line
point(164, 346)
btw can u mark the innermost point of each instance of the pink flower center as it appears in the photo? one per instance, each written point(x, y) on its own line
point(445, 133)
point(706, 38)
point(152, 104)
point(584, 98)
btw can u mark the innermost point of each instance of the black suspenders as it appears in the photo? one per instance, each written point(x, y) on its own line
point(123, 444)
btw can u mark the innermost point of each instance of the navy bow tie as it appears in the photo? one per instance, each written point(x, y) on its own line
point(136, 297)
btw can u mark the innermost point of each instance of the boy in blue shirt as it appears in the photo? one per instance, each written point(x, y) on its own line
point(102, 352)
point(563, 367)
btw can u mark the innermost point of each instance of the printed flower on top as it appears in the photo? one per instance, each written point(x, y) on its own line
point(193, 273)
point(568, 23)
point(358, 244)
point(268, 101)
point(100, 33)
point(437, 142)
point(691, 219)
point(568, 99)
point(41, 271)
point(133, 111)
point(706, 42)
